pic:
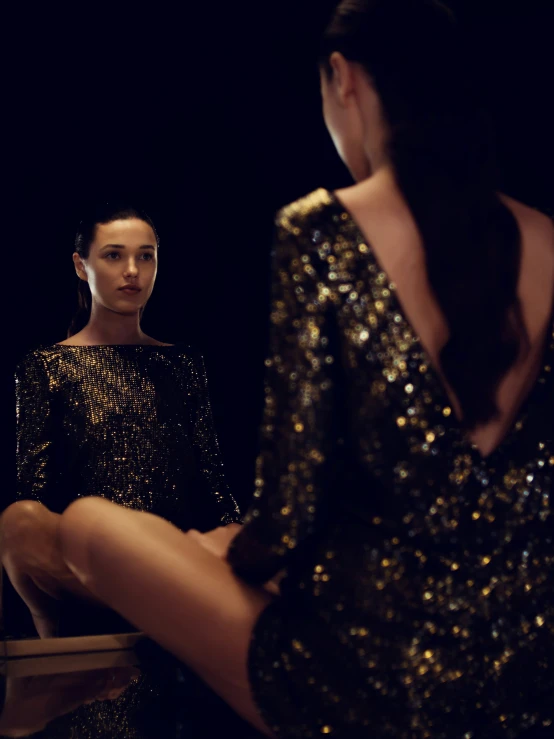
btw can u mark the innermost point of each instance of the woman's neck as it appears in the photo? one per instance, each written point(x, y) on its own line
point(107, 327)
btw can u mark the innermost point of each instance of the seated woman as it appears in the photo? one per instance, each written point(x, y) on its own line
point(407, 449)
point(113, 412)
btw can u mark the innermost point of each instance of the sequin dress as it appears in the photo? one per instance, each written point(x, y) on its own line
point(132, 423)
point(419, 594)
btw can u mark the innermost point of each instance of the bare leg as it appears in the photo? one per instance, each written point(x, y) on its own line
point(172, 588)
point(31, 556)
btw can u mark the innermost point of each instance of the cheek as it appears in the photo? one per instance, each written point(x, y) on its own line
point(339, 139)
point(329, 118)
point(336, 126)
point(148, 276)
point(346, 132)
point(100, 276)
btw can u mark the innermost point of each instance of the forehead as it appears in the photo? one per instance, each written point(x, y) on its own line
point(129, 232)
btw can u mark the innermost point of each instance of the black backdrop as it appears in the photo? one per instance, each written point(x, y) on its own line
point(208, 114)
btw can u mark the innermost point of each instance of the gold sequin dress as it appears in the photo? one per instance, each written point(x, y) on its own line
point(132, 423)
point(419, 594)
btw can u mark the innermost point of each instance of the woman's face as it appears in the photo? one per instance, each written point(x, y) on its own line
point(121, 266)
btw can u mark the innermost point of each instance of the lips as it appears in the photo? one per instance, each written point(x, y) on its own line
point(130, 289)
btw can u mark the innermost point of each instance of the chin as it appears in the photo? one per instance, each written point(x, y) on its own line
point(127, 310)
point(129, 303)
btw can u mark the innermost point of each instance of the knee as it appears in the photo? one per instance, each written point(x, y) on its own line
point(80, 519)
point(24, 511)
point(82, 509)
point(20, 524)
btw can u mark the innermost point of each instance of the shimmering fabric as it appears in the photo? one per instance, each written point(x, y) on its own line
point(133, 424)
point(419, 595)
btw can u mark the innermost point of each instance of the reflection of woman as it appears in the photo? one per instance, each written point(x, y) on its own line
point(30, 702)
point(112, 411)
point(405, 472)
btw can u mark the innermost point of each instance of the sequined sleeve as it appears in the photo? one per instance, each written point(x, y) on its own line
point(290, 488)
point(33, 436)
point(206, 447)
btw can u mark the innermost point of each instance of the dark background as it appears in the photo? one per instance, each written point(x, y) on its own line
point(209, 115)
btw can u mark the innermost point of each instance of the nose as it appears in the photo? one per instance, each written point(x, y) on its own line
point(131, 269)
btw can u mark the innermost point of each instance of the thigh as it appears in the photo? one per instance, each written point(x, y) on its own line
point(172, 588)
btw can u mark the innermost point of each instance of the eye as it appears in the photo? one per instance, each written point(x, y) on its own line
point(148, 257)
point(112, 254)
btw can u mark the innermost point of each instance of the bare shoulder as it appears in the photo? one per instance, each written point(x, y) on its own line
point(154, 342)
point(378, 200)
point(537, 264)
point(75, 340)
point(530, 219)
point(381, 213)
point(365, 196)
point(81, 340)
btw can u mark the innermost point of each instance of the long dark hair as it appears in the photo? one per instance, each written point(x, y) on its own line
point(441, 146)
point(98, 215)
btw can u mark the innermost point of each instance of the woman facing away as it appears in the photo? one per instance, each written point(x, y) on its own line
point(407, 450)
point(111, 411)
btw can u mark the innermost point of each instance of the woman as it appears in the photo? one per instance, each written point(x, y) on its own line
point(404, 479)
point(29, 703)
point(112, 411)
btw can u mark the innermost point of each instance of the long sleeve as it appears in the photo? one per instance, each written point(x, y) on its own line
point(292, 470)
point(207, 452)
point(33, 429)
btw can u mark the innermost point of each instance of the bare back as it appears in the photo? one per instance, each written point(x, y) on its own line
point(388, 225)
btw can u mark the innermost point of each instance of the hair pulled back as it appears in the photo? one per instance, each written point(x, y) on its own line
point(441, 146)
point(98, 215)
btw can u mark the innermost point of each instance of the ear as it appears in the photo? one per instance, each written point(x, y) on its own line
point(343, 77)
point(80, 267)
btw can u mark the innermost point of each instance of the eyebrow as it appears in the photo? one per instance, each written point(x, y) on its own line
point(121, 246)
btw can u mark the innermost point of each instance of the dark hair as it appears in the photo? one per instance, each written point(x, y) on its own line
point(99, 215)
point(441, 146)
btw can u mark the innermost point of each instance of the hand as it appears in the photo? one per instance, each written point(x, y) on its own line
point(32, 558)
point(217, 541)
point(273, 586)
point(32, 702)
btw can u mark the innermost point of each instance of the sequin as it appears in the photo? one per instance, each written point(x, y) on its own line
point(132, 424)
point(429, 562)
